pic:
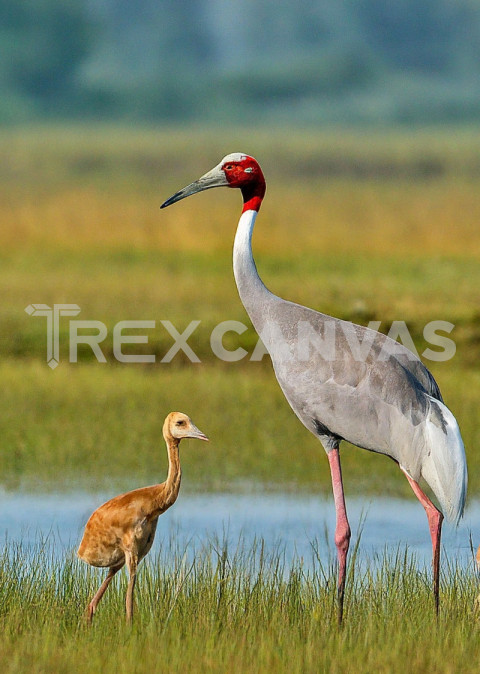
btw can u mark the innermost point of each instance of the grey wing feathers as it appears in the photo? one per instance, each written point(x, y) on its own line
point(352, 395)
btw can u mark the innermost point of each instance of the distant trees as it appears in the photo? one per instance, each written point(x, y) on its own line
point(423, 36)
point(42, 43)
point(308, 61)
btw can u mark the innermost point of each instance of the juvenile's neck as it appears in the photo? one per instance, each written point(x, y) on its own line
point(171, 486)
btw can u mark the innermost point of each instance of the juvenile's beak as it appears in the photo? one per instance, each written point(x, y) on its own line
point(195, 432)
point(214, 178)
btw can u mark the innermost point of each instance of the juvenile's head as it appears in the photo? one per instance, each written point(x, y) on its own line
point(178, 425)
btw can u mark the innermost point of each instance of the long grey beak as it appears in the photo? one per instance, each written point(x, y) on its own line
point(214, 178)
point(195, 432)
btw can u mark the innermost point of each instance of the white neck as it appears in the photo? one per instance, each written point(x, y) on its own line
point(251, 289)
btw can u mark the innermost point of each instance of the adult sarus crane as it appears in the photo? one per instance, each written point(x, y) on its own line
point(347, 382)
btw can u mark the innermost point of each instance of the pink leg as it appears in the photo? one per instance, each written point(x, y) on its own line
point(435, 519)
point(99, 594)
point(342, 530)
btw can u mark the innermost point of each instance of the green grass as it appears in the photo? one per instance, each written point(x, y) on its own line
point(111, 286)
point(238, 610)
point(96, 426)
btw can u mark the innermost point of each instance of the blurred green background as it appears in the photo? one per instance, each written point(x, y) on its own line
point(356, 61)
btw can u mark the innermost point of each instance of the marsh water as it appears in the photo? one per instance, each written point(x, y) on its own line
point(294, 524)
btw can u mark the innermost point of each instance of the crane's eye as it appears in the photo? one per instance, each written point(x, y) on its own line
point(228, 167)
point(180, 423)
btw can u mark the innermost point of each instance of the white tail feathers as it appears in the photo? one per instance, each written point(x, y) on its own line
point(444, 466)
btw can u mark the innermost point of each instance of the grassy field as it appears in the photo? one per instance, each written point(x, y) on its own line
point(362, 226)
point(97, 427)
point(238, 610)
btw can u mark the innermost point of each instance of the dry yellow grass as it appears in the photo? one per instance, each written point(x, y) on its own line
point(439, 218)
point(344, 194)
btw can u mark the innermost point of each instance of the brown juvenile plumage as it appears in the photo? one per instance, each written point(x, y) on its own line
point(121, 531)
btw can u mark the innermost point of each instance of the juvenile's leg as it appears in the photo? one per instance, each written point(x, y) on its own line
point(91, 608)
point(132, 573)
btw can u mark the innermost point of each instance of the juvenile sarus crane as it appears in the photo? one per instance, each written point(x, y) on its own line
point(121, 531)
point(347, 382)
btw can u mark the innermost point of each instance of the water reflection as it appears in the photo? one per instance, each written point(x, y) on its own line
point(289, 521)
